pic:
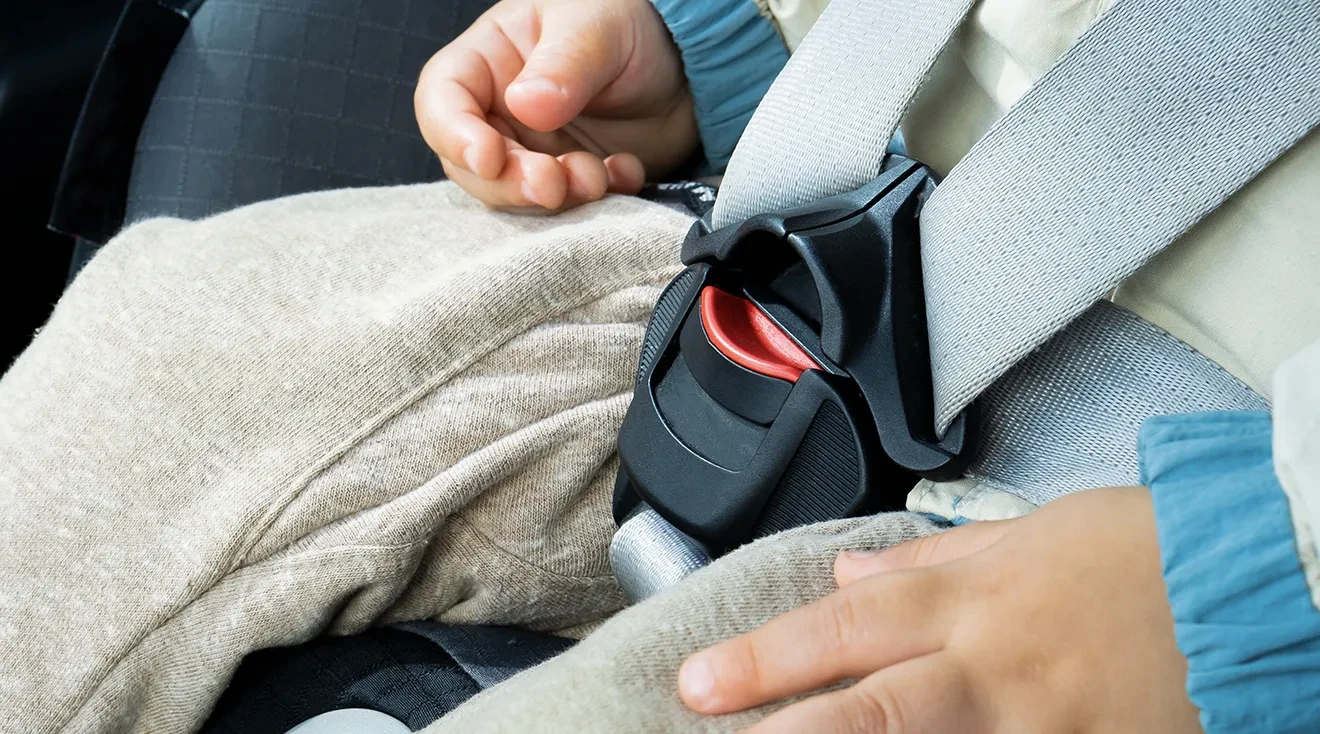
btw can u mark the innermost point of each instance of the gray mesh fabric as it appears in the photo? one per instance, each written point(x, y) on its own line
point(267, 98)
point(1066, 417)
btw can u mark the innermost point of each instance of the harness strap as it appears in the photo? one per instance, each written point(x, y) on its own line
point(1158, 114)
point(1161, 112)
point(1066, 418)
point(824, 125)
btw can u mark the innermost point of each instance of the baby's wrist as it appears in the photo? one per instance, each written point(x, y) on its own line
point(731, 54)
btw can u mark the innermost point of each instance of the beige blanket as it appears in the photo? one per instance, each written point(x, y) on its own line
point(310, 415)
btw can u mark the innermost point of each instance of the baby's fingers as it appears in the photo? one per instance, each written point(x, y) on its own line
point(588, 180)
point(528, 179)
point(627, 175)
point(926, 695)
point(453, 95)
point(849, 634)
point(931, 550)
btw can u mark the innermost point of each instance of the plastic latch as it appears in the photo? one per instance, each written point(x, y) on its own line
point(743, 332)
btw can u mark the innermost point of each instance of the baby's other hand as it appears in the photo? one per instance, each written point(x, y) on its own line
point(548, 104)
point(1053, 622)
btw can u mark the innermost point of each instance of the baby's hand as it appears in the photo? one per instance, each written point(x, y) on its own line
point(553, 103)
point(1053, 622)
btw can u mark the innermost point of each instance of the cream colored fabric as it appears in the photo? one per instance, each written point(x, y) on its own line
point(1242, 286)
point(795, 17)
point(312, 415)
point(966, 499)
point(623, 678)
point(1297, 454)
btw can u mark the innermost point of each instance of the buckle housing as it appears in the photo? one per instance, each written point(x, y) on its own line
point(722, 441)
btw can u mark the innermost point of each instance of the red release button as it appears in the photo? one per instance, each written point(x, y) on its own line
point(744, 334)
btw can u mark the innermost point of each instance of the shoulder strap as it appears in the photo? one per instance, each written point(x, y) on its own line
point(823, 127)
point(1157, 115)
point(1154, 118)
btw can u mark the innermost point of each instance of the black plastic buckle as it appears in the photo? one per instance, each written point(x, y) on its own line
point(727, 449)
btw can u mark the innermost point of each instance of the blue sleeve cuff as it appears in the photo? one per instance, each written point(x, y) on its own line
point(1242, 611)
point(731, 54)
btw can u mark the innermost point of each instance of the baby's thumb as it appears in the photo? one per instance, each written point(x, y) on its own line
point(575, 58)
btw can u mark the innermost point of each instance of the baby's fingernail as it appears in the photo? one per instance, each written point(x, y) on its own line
point(528, 194)
point(857, 555)
point(696, 679)
point(536, 85)
point(470, 158)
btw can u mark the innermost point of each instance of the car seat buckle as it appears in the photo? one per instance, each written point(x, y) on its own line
point(785, 374)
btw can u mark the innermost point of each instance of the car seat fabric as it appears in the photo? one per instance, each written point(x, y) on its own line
point(267, 98)
point(415, 672)
point(258, 99)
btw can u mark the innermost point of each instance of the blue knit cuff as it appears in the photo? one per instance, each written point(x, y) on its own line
point(731, 54)
point(1242, 611)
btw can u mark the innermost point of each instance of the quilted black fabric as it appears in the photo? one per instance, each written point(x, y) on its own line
point(266, 98)
point(415, 672)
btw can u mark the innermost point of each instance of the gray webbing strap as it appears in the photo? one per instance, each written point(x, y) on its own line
point(1066, 417)
point(649, 555)
point(825, 123)
point(1159, 113)
point(1155, 117)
